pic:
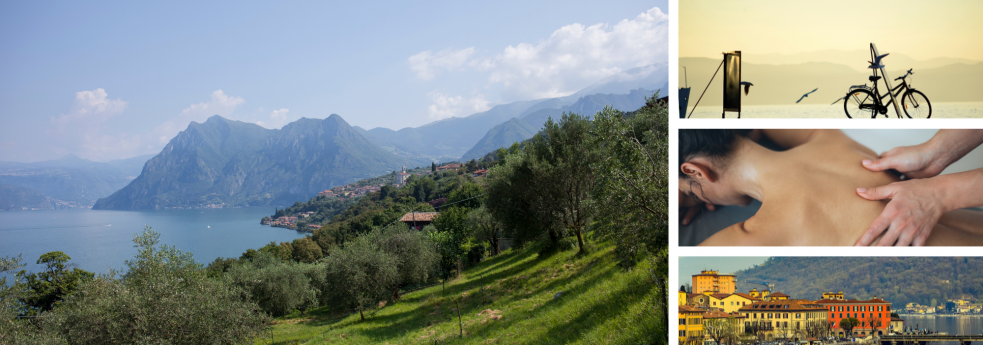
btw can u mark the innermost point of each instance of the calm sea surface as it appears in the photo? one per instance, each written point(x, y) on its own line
point(98, 240)
point(939, 110)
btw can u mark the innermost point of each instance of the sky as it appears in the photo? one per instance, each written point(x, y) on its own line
point(112, 80)
point(690, 265)
point(922, 30)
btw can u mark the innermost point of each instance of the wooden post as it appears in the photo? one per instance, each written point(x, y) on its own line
point(459, 322)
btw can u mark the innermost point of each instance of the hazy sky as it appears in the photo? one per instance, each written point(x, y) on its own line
point(920, 29)
point(688, 266)
point(109, 80)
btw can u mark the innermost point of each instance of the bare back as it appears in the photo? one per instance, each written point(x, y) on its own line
point(811, 200)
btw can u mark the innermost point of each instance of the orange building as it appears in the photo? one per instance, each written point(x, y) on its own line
point(874, 315)
point(714, 282)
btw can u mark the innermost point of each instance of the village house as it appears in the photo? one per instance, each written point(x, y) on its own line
point(452, 166)
point(418, 220)
point(480, 173)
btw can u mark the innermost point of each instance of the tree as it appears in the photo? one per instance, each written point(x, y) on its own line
point(305, 250)
point(416, 255)
point(453, 238)
point(847, 324)
point(278, 287)
point(165, 297)
point(873, 322)
point(468, 196)
point(433, 167)
point(720, 329)
point(513, 198)
point(486, 227)
point(52, 285)
point(360, 274)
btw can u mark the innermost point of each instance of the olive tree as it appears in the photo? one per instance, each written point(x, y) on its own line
point(415, 254)
point(360, 274)
point(278, 287)
point(165, 297)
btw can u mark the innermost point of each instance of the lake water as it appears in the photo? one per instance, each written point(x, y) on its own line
point(950, 324)
point(939, 110)
point(98, 240)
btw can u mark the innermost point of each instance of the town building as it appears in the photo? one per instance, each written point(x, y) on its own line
point(401, 177)
point(782, 319)
point(716, 318)
point(479, 173)
point(418, 220)
point(763, 294)
point(874, 315)
point(833, 295)
point(452, 166)
point(735, 301)
point(897, 324)
point(714, 282)
point(690, 325)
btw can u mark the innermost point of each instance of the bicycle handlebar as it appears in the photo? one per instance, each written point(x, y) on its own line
point(905, 75)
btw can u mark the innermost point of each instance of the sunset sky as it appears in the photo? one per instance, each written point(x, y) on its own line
point(921, 29)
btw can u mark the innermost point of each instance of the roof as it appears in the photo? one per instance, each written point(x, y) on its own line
point(746, 296)
point(782, 305)
point(720, 295)
point(718, 314)
point(779, 294)
point(853, 301)
point(419, 217)
point(710, 275)
point(688, 309)
point(895, 318)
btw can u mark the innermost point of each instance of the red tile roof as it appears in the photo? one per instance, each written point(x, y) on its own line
point(688, 309)
point(419, 217)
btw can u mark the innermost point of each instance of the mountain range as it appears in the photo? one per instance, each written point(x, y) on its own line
point(68, 179)
point(786, 83)
point(235, 163)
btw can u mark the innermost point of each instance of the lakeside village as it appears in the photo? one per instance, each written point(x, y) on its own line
point(713, 313)
point(359, 189)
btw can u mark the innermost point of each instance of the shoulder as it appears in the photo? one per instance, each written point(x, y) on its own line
point(734, 235)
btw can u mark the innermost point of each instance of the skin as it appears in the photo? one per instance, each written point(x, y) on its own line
point(820, 164)
point(916, 205)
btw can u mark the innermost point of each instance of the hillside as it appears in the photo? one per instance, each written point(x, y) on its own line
point(897, 280)
point(18, 198)
point(514, 130)
point(235, 163)
point(70, 178)
point(511, 298)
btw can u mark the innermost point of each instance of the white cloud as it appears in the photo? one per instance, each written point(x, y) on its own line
point(278, 118)
point(426, 63)
point(80, 130)
point(445, 105)
point(575, 56)
point(219, 104)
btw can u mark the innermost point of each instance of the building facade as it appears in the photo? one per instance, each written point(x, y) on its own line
point(874, 315)
point(690, 325)
point(714, 282)
point(783, 319)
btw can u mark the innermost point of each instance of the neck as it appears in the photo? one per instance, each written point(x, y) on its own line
point(745, 170)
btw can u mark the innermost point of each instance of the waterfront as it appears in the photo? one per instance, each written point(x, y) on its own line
point(948, 324)
point(100, 240)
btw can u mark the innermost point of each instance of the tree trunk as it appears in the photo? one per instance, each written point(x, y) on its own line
point(495, 248)
point(395, 294)
point(360, 313)
point(580, 240)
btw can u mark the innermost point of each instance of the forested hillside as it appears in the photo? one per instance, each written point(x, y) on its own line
point(899, 280)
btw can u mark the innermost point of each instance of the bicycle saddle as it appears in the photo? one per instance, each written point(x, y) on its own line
point(874, 78)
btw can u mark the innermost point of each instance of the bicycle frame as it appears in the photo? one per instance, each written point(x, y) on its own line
point(893, 93)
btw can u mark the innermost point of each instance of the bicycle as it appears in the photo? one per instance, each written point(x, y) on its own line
point(863, 101)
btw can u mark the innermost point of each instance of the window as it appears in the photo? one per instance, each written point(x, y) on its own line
point(682, 321)
point(682, 333)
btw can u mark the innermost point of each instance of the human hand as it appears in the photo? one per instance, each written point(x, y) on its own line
point(909, 217)
point(690, 212)
point(919, 161)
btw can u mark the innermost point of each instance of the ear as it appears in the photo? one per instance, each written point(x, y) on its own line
point(698, 171)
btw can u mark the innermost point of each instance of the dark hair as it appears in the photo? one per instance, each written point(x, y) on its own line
point(715, 144)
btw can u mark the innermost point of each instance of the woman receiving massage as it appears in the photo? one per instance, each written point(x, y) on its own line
point(812, 190)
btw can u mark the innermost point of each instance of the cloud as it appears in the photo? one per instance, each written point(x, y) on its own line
point(278, 118)
point(219, 104)
point(425, 64)
point(571, 58)
point(80, 129)
point(575, 56)
point(445, 105)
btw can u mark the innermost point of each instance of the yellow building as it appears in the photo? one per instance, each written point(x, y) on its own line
point(730, 324)
point(714, 282)
point(736, 301)
point(682, 297)
point(759, 295)
point(835, 296)
point(778, 296)
point(782, 319)
point(690, 325)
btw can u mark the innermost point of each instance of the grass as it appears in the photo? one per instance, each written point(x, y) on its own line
point(507, 299)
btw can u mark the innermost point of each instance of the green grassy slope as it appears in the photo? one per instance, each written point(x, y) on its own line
point(601, 303)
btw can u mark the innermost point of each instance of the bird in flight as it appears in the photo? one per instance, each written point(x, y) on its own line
point(806, 95)
point(747, 86)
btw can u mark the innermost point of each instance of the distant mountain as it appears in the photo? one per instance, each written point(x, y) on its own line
point(855, 59)
point(451, 138)
point(243, 164)
point(19, 198)
point(784, 84)
point(69, 178)
point(132, 166)
point(517, 130)
point(899, 280)
point(514, 130)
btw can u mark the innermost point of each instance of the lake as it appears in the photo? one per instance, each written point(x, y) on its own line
point(939, 110)
point(950, 324)
point(98, 240)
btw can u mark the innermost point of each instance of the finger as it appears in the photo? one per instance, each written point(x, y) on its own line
point(921, 238)
point(877, 164)
point(690, 214)
point(876, 228)
point(907, 235)
point(892, 232)
point(877, 193)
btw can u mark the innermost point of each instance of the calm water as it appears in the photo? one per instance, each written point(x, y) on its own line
point(951, 324)
point(939, 110)
point(98, 240)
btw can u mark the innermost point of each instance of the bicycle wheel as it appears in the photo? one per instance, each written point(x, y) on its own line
point(916, 105)
point(859, 104)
